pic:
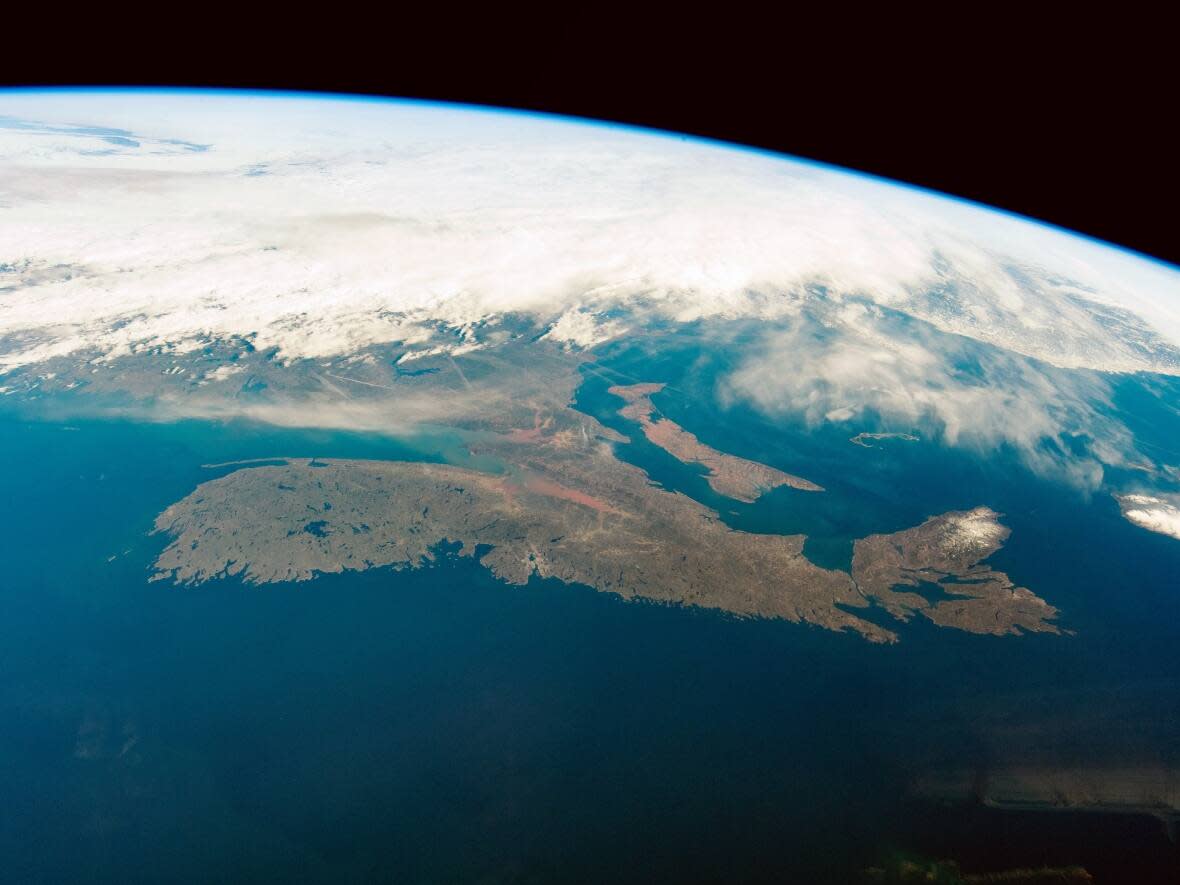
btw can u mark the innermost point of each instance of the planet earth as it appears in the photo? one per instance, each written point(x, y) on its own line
point(399, 491)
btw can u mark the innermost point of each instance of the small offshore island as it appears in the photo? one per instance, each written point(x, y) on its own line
point(863, 439)
point(566, 507)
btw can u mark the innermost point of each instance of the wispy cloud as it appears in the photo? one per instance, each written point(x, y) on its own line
point(861, 362)
point(422, 227)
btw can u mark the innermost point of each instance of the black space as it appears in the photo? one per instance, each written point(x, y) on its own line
point(1075, 126)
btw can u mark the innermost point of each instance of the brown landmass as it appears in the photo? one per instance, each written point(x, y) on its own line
point(728, 475)
point(586, 519)
point(946, 551)
point(291, 522)
point(550, 498)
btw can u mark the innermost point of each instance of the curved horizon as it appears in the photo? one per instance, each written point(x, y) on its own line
point(578, 119)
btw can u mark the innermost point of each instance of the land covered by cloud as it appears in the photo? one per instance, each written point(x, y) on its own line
point(325, 226)
point(165, 231)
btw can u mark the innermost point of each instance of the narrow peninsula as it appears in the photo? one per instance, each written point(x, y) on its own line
point(728, 475)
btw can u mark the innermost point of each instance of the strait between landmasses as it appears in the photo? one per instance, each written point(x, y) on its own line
point(567, 508)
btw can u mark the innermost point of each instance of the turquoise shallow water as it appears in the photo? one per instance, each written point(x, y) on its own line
point(439, 726)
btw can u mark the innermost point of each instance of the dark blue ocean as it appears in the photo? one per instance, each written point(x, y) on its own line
point(438, 726)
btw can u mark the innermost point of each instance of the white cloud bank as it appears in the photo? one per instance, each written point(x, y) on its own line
point(323, 226)
point(860, 363)
point(1156, 514)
